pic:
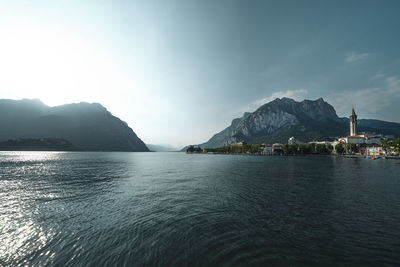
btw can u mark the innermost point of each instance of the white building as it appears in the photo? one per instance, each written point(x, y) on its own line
point(361, 139)
point(292, 141)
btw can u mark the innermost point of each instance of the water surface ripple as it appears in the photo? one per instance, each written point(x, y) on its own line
point(173, 209)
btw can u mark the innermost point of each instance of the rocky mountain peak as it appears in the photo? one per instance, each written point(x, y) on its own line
point(319, 110)
point(280, 115)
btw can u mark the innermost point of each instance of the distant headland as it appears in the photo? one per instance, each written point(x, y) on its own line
point(88, 126)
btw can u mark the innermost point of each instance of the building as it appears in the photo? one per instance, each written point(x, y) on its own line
point(375, 151)
point(353, 123)
point(274, 149)
point(361, 139)
point(268, 150)
point(277, 148)
point(372, 139)
point(326, 143)
point(292, 141)
point(239, 143)
point(355, 138)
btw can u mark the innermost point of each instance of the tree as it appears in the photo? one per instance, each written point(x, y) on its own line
point(391, 146)
point(385, 146)
point(351, 147)
point(339, 148)
point(294, 149)
point(255, 148)
point(321, 148)
point(285, 148)
point(303, 149)
point(311, 147)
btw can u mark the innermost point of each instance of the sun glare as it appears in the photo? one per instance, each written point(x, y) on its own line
point(47, 63)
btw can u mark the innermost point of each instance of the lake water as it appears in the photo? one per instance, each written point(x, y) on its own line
point(171, 209)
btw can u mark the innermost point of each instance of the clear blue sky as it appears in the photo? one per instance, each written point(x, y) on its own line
point(180, 71)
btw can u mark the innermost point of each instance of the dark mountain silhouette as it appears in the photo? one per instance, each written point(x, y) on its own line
point(307, 120)
point(89, 127)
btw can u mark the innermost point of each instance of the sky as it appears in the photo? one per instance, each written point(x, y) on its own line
point(179, 71)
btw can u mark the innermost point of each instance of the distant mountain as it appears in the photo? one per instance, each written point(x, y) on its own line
point(162, 148)
point(43, 144)
point(307, 120)
point(90, 127)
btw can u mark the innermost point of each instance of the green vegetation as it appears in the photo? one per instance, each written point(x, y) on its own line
point(305, 149)
point(235, 149)
point(290, 149)
point(339, 148)
point(294, 149)
point(193, 149)
point(311, 148)
point(391, 146)
point(351, 148)
point(324, 149)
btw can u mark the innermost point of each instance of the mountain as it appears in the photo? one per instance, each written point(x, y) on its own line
point(89, 127)
point(307, 120)
point(162, 148)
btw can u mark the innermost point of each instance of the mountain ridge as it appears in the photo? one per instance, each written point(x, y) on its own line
point(89, 126)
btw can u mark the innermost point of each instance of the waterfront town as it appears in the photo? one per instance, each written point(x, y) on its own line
point(354, 145)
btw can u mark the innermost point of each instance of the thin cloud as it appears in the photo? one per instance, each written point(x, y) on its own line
point(353, 57)
point(368, 100)
point(298, 94)
point(378, 76)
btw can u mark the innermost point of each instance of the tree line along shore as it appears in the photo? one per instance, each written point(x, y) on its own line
point(386, 148)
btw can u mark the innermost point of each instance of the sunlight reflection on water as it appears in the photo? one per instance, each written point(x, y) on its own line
point(20, 232)
point(29, 156)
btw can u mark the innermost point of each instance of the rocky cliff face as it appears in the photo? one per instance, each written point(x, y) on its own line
point(280, 119)
point(280, 115)
point(88, 126)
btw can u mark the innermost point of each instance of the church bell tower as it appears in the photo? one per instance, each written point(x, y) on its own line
point(353, 123)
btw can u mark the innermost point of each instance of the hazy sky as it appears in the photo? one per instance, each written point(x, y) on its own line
point(180, 71)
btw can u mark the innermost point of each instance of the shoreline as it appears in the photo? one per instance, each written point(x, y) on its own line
point(301, 155)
